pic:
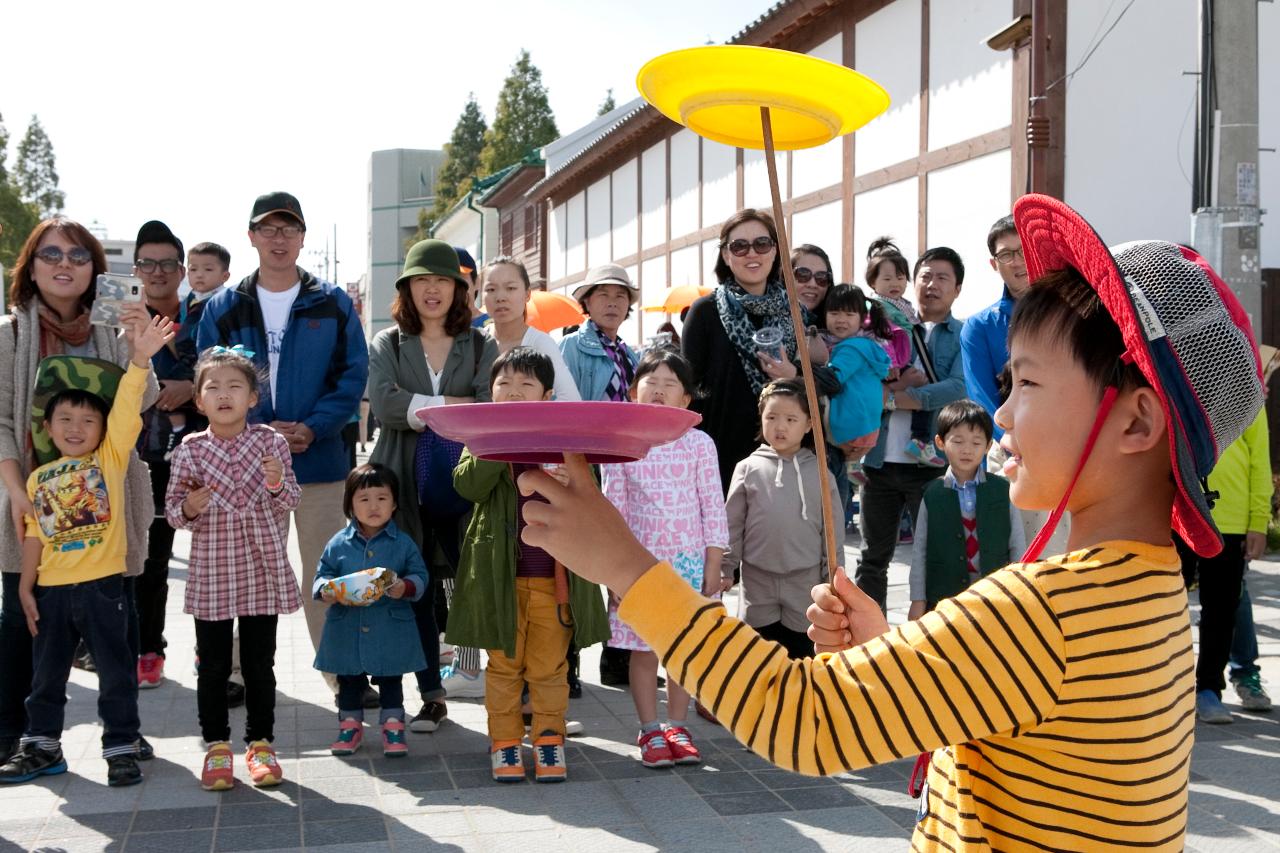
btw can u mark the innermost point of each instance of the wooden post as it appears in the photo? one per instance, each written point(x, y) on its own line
point(802, 350)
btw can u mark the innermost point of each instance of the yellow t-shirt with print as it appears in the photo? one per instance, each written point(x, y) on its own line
point(79, 500)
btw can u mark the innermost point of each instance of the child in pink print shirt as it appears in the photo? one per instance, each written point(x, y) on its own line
point(673, 502)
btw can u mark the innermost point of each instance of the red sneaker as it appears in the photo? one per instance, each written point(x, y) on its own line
point(393, 745)
point(264, 769)
point(350, 734)
point(681, 745)
point(217, 774)
point(150, 671)
point(654, 751)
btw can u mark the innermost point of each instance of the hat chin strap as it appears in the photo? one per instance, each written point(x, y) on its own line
point(1038, 544)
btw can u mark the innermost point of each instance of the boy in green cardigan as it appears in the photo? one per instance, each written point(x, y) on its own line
point(967, 526)
point(515, 600)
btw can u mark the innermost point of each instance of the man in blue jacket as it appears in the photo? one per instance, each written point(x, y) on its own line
point(894, 479)
point(305, 332)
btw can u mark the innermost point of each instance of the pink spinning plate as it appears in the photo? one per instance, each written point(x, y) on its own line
point(541, 432)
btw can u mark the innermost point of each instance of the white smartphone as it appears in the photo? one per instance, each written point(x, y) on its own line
point(113, 294)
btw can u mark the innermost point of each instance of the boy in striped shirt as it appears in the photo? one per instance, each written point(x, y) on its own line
point(1056, 697)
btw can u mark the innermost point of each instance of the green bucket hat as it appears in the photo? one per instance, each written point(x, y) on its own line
point(432, 257)
point(59, 373)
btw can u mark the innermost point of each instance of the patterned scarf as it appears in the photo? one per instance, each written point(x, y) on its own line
point(734, 304)
point(620, 381)
point(56, 334)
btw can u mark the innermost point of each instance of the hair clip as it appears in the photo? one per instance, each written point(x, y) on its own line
point(238, 349)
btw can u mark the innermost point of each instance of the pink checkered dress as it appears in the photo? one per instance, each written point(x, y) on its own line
point(240, 543)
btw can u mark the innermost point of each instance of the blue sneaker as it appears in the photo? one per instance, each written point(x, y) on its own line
point(31, 761)
point(1209, 708)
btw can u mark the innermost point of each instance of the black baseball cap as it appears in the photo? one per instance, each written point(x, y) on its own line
point(276, 202)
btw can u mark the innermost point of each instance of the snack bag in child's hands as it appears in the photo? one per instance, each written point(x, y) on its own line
point(362, 588)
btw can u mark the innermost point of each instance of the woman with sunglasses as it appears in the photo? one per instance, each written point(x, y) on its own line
point(728, 367)
point(52, 290)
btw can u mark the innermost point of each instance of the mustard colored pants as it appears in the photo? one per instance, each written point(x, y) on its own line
point(541, 644)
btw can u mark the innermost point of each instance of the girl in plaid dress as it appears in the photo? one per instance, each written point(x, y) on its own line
point(232, 486)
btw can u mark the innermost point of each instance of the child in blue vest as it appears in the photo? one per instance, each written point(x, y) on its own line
point(967, 527)
point(375, 642)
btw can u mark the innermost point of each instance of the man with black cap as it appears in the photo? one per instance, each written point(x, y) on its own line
point(157, 260)
point(305, 332)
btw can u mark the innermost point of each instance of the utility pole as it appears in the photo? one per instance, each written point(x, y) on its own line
point(1226, 224)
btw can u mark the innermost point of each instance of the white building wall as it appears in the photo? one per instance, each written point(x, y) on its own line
point(964, 200)
point(887, 49)
point(1128, 146)
point(653, 195)
point(556, 247)
point(969, 84)
point(817, 168)
point(823, 227)
point(719, 182)
point(599, 215)
point(626, 221)
point(653, 280)
point(755, 179)
point(893, 210)
point(576, 234)
point(629, 331)
point(684, 183)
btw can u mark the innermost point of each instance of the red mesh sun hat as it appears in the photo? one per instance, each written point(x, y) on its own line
point(1183, 328)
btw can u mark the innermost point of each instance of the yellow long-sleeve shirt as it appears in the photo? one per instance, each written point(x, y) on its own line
point(79, 500)
point(1057, 699)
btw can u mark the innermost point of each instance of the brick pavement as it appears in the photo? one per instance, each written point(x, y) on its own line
point(441, 797)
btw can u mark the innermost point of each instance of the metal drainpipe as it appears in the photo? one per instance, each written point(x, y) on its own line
point(480, 243)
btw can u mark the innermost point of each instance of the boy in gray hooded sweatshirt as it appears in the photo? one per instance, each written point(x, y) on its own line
point(775, 521)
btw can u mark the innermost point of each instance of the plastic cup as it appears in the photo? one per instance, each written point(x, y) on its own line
point(769, 341)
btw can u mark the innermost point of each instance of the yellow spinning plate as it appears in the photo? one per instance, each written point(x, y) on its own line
point(717, 92)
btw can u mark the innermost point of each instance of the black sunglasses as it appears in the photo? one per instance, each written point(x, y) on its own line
point(739, 248)
point(804, 274)
point(76, 255)
point(167, 266)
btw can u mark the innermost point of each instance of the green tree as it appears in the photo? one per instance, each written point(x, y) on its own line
point(426, 221)
point(17, 218)
point(607, 105)
point(35, 173)
point(461, 158)
point(523, 120)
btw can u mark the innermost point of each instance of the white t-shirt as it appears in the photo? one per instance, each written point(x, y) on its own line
point(542, 342)
point(275, 318)
point(899, 431)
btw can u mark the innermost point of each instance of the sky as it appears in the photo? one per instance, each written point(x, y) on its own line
point(186, 112)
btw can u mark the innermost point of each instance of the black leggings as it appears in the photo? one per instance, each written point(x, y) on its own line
point(257, 665)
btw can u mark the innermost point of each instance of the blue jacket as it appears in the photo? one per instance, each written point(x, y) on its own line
point(861, 365)
point(589, 365)
point(944, 347)
point(381, 639)
point(324, 364)
point(985, 345)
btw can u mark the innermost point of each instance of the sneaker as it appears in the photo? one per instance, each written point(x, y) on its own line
point(548, 758)
point(84, 659)
point(32, 760)
point(681, 745)
point(123, 771)
point(654, 749)
point(146, 751)
point(1209, 708)
point(150, 671)
point(506, 762)
point(460, 685)
point(217, 774)
point(1252, 696)
point(393, 745)
point(235, 694)
point(350, 736)
point(429, 718)
point(264, 769)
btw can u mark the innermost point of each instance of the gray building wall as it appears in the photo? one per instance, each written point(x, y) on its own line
point(401, 182)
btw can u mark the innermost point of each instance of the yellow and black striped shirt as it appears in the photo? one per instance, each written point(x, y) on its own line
point(1057, 699)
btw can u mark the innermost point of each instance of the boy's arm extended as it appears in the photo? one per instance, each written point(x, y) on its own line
point(125, 419)
point(475, 479)
point(987, 661)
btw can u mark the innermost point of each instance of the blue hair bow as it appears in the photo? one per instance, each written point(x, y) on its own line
point(238, 349)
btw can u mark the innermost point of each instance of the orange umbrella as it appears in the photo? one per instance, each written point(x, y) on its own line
point(550, 311)
point(679, 298)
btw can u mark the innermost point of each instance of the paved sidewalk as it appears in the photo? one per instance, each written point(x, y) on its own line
point(441, 797)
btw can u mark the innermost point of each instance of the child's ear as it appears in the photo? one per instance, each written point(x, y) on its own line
point(253, 399)
point(939, 442)
point(546, 395)
point(1145, 425)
